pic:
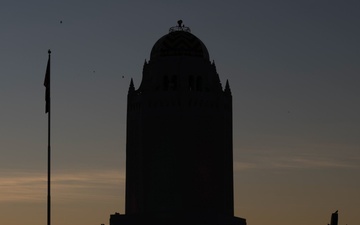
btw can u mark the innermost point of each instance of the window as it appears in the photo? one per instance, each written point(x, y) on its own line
point(174, 82)
point(165, 83)
point(199, 83)
point(191, 83)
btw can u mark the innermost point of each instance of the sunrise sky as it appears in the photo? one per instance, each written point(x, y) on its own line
point(294, 72)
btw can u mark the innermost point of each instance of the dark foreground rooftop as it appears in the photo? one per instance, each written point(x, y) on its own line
point(119, 219)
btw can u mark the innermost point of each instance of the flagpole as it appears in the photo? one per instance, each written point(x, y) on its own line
point(47, 110)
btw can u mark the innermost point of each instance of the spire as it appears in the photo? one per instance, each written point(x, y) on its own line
point(213, 64)
point(131, 87)
point(227, 89)
point(145, 65)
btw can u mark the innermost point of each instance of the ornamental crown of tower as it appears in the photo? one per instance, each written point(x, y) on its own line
point(179, 27)
point(179, 61)
point(179, 42)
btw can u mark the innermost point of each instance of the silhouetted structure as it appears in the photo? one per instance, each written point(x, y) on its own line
point(179, 164)
point(334, 218)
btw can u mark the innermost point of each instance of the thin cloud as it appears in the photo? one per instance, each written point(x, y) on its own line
point(32, 187)
point(240, 166)
point(295, 162)
point(315, 162)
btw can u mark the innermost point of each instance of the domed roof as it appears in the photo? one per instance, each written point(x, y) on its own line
point(179, 42)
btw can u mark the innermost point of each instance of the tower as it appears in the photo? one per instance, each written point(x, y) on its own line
point(334, 218)
point(179, 165)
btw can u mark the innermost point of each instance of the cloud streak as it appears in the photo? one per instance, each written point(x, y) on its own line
point(295, 162)
point(68, 186)
point(301, 162)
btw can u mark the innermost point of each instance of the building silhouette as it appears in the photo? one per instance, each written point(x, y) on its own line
point(334, 218)
point(179, 163)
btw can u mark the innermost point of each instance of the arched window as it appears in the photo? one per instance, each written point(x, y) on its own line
point(191, 82)
point(174, 82)
point(165, 83)
point(199, 83)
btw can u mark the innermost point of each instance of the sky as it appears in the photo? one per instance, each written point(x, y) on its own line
point(294, 72)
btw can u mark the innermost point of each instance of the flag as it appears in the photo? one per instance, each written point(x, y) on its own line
point(47, 86)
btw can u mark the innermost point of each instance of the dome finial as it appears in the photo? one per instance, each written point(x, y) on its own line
point(179, 23)
point(180, 27)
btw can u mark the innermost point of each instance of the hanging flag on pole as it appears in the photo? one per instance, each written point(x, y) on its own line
point(47, 85)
